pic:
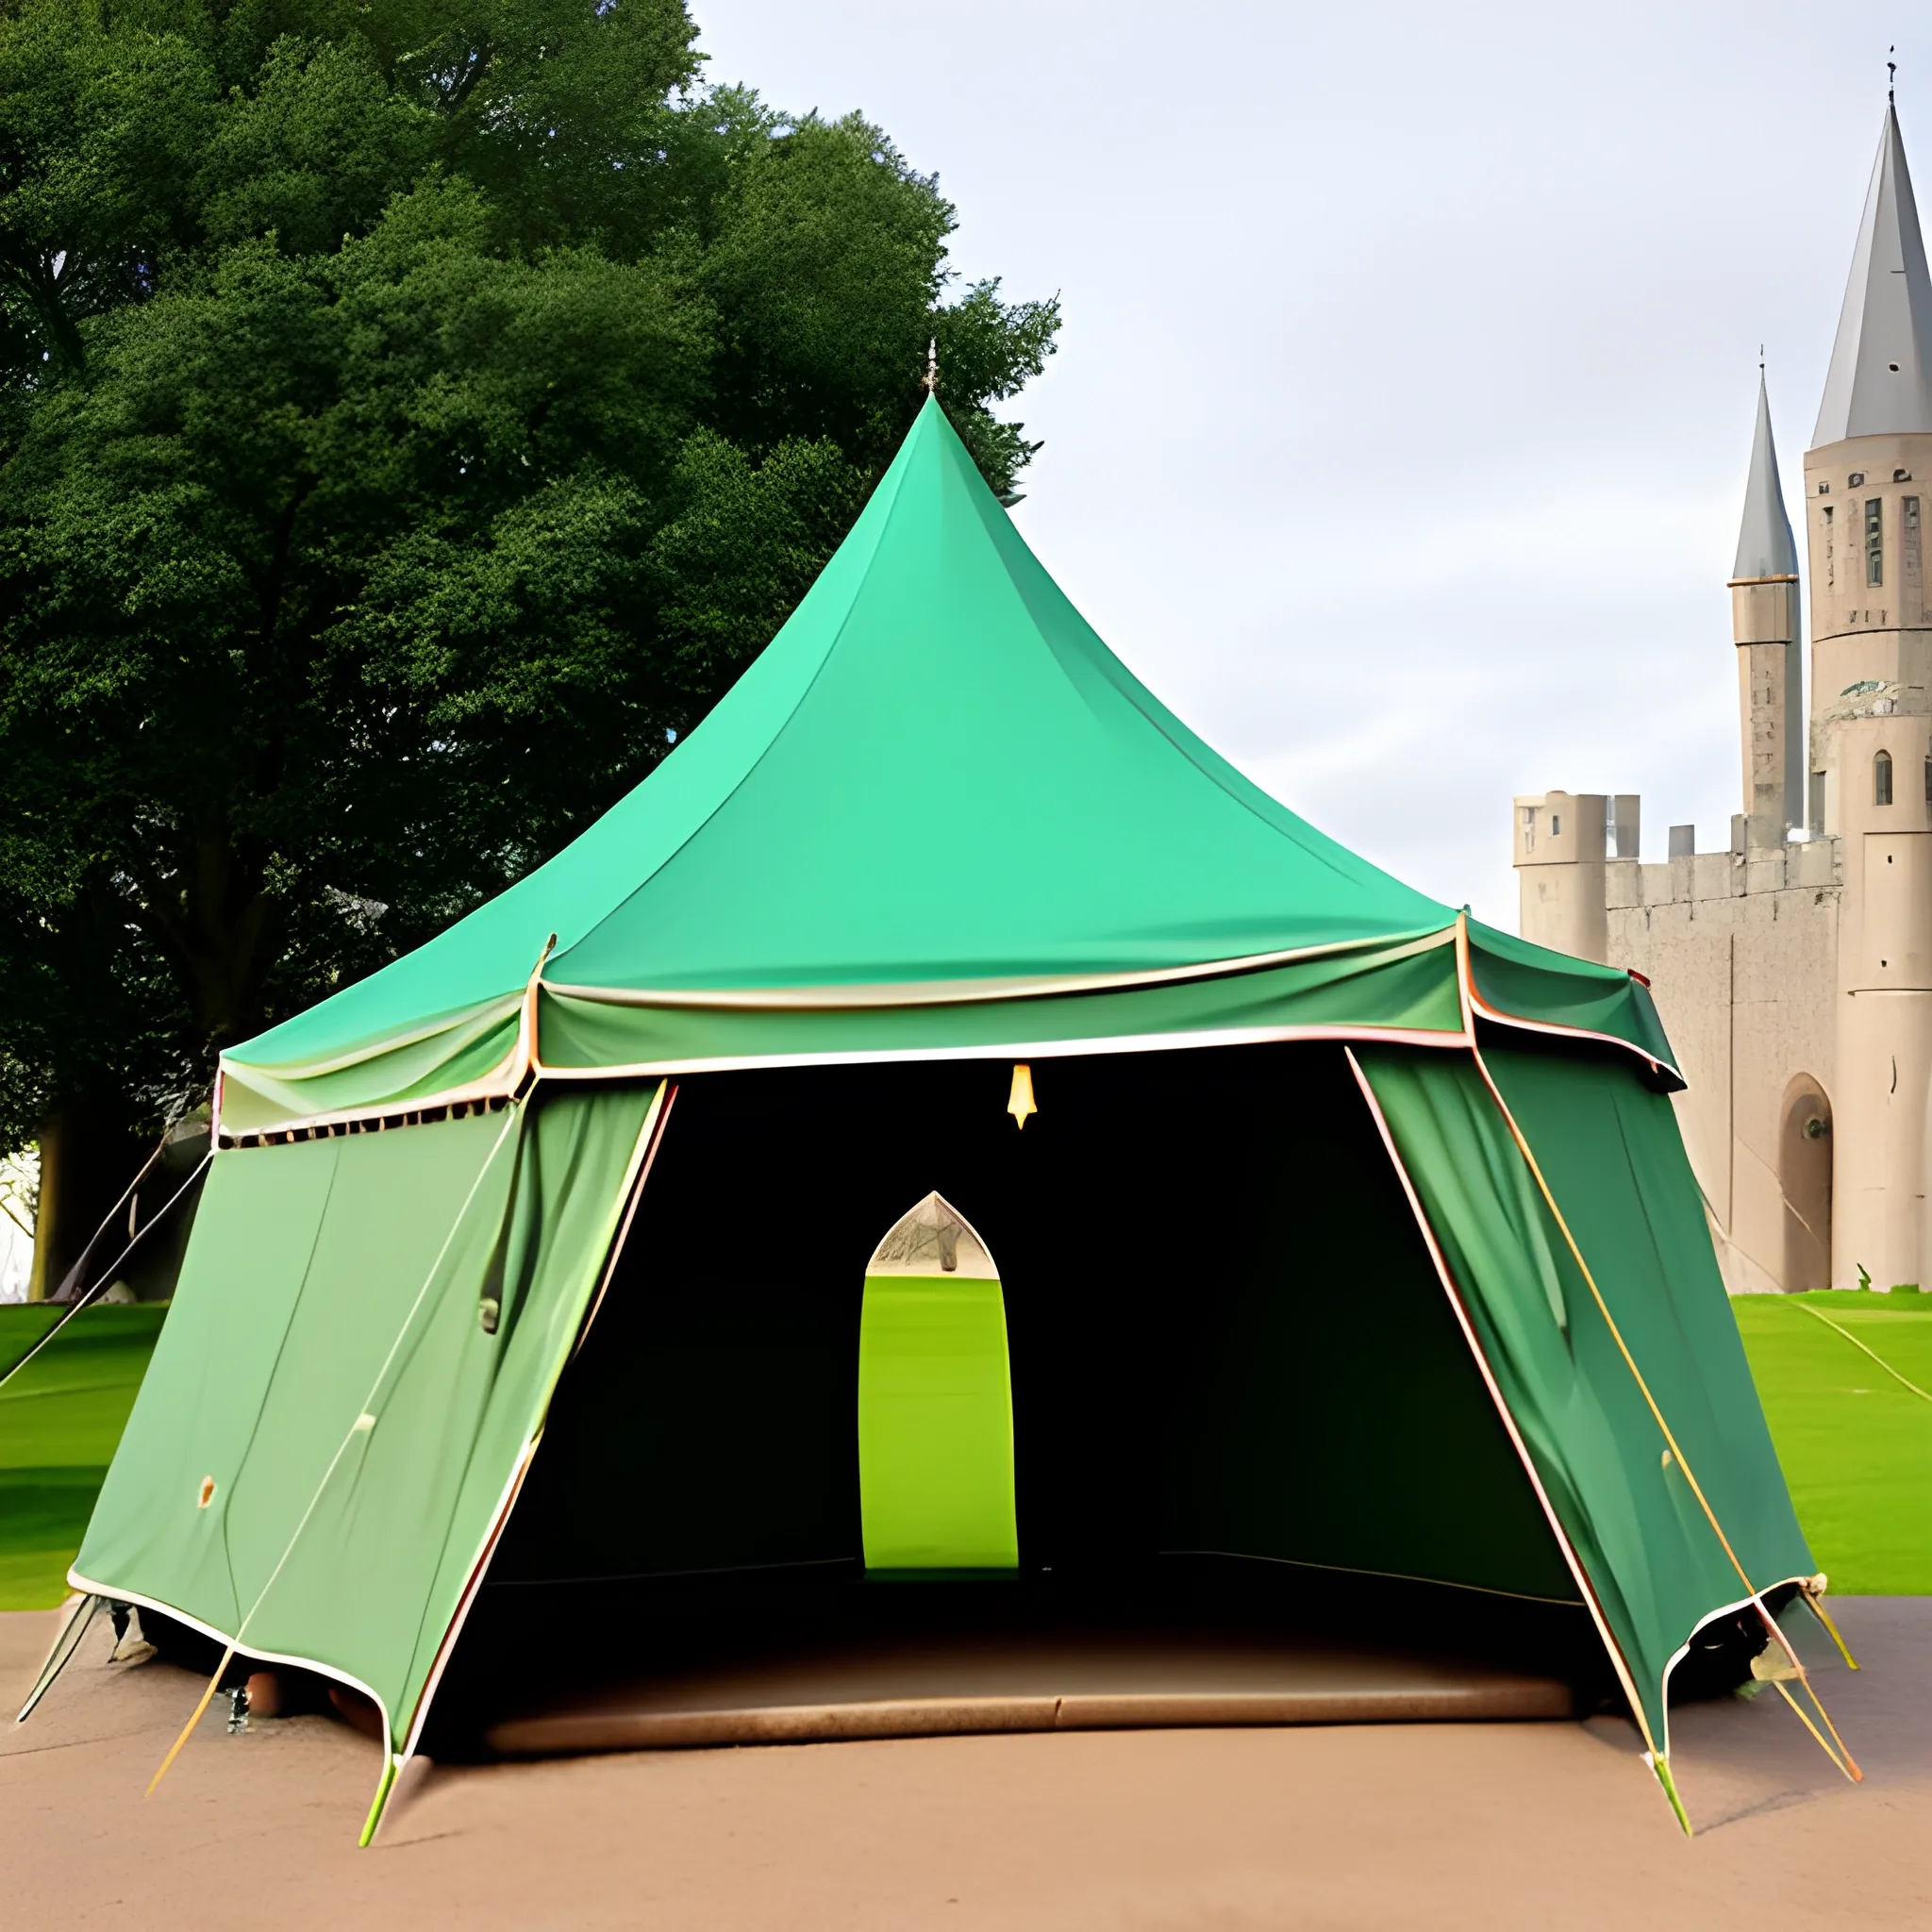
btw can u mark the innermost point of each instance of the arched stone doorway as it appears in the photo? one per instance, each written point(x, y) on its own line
point(1804, 1173)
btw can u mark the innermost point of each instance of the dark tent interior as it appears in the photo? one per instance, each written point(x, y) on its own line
point(1241, 1400)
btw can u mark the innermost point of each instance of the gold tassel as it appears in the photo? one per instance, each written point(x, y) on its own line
point(1020, 1101)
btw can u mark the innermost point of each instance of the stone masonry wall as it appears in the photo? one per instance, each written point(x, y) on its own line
point(1741, 954)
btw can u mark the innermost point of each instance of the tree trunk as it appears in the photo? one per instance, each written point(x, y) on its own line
point(88, 1157)
point(214, 923)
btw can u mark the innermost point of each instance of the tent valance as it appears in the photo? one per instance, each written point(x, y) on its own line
point(1422, 989)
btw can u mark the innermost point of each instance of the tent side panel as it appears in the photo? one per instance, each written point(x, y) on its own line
point(1656, 1568)
point(387, 1442)
point(410, 1228)
point(584, 1160)
point(1612, 1155)
point(152, 1534)
point(331, 1366)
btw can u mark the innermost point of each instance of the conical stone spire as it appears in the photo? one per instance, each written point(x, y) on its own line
point(1880, 379)
point(1764, 625)
point(1765, 547)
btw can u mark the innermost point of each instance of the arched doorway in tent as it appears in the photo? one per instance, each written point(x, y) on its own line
point(935, 1401)
point(1804, 1178)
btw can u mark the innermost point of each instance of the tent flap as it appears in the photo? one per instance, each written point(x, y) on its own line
point(333, 1423)
point(1609, 1149)
point(1514, 979)
point(449, 1054)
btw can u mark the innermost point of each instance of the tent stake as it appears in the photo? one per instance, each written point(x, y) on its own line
point(64, 1646)
point(1815, 1601)
point(1660, 1764)
point(391, 1765)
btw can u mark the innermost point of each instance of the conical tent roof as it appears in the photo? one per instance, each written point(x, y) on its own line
point(936, 786)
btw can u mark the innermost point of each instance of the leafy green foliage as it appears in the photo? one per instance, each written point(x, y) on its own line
point(413, 415)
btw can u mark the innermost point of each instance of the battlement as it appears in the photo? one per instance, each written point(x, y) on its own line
point(1693, 877)
point(1576, 860)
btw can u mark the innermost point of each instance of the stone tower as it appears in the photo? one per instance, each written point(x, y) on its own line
point(1793, 970)
point(1559, 856)
point(1764, 627)
point(1866, 480)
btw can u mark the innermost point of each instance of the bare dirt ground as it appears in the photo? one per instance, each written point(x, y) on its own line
point(1441, 1825)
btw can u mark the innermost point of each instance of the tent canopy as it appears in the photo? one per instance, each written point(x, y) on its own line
point(937, 815)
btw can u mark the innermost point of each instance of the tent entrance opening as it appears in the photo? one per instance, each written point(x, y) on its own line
point(1230, 1354)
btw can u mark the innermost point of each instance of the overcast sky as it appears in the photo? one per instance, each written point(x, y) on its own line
point(1398, 429)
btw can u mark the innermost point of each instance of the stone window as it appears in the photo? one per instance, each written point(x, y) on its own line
point(1881, 778)
point(1909, 539)
point(1874, 540)
point(1830, 568)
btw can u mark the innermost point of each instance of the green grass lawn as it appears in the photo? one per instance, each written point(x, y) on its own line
point(59, 1420)
point(1856, 1447)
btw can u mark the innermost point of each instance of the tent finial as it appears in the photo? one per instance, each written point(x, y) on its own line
point(929, 382)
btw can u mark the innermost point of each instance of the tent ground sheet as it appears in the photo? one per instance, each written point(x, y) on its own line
point(770, 1659)
point(1086, 1680)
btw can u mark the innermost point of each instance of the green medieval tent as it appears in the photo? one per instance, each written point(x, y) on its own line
point(1346, 1231)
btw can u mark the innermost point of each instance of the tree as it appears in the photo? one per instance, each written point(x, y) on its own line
point(413, 416)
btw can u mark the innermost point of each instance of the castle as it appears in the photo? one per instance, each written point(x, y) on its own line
point(1794, 971)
